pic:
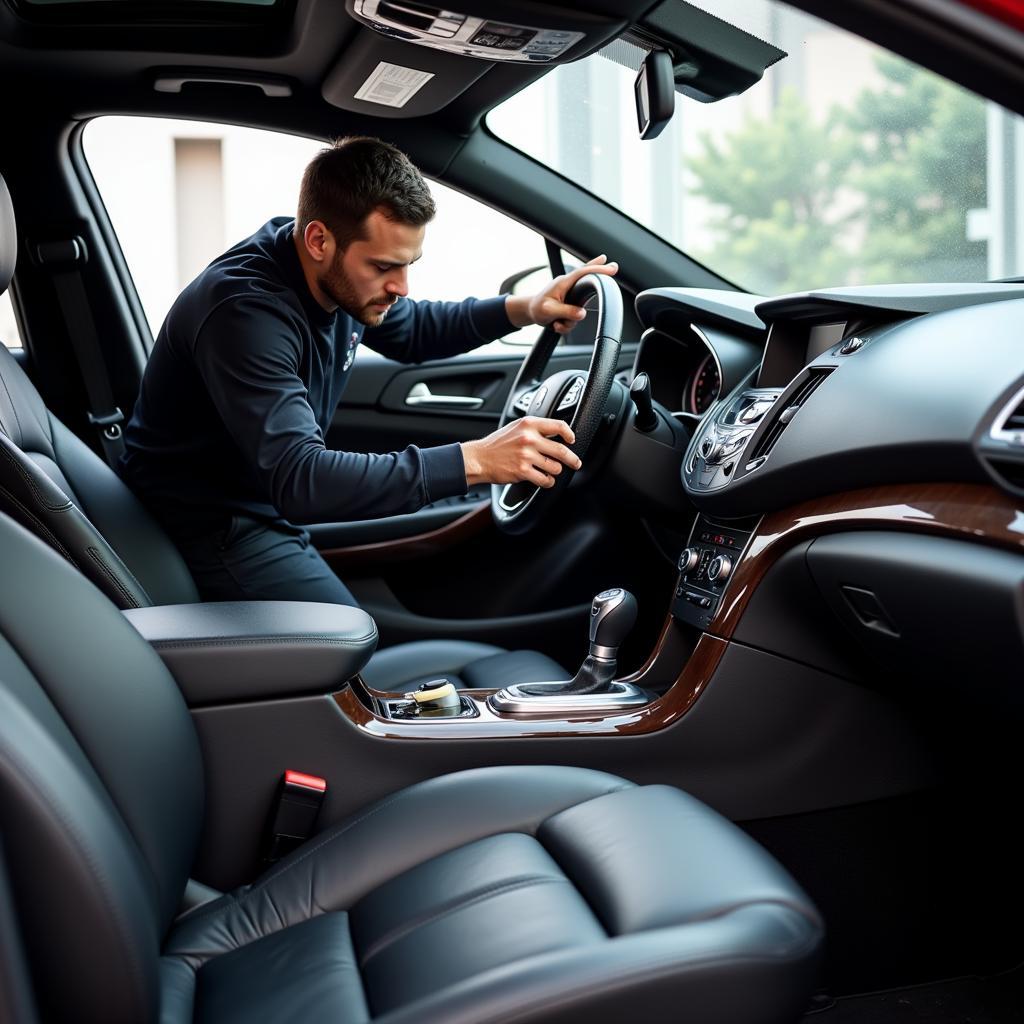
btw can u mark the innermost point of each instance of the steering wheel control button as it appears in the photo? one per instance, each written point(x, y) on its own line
point(689, 560)
point(572, 395)
point(522, 403)
point(719, 568)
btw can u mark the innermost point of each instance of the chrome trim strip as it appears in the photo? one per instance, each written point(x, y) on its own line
point(511, 701)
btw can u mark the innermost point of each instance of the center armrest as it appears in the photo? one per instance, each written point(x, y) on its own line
point(246, 650)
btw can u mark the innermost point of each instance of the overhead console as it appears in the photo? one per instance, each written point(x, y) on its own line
point(410, 58)
point(432, 53)
point(489, 37)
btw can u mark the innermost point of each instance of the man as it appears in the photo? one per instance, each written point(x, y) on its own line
point(226, 442)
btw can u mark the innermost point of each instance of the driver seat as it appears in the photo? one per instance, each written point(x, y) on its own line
point(59, 489)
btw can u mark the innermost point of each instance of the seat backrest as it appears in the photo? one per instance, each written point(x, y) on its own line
point(101, 788)
point(106, 517)
point(29, 496)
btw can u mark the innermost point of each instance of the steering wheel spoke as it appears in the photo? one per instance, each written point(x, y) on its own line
point(514, 496)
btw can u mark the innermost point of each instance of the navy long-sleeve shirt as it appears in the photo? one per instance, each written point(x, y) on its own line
point(243, 381)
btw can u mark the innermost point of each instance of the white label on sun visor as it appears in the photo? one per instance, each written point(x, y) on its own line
point(392, 85)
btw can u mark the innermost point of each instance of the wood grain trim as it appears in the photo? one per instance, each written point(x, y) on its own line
point(420, 545)
point(691, 681)
point(969, 511)
point(972, 512)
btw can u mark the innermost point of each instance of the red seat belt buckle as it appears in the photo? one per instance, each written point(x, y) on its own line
point(294, 813)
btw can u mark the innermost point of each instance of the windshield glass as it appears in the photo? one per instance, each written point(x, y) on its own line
point(843, 165)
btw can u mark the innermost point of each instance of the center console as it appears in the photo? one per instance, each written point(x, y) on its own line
point(706, 565)
point(719, 448)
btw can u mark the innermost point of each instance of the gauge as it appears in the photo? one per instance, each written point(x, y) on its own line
point(705, 386)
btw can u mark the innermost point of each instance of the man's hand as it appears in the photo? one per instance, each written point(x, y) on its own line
point(524, 450)
point(548, 306)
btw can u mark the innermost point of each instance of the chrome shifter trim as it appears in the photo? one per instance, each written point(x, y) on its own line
point(512, 701)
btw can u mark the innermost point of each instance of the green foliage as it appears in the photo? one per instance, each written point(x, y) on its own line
point(877, 191)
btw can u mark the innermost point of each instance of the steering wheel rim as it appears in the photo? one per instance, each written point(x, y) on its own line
point(517, 508)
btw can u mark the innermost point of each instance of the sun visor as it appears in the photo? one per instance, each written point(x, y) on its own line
point(712, 58)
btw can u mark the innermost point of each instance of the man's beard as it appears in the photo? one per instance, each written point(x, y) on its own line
point(335, 283)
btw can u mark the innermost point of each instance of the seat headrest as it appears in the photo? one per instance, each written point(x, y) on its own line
point(8, 237)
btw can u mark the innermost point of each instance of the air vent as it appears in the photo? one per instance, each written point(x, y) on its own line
point(1009, 424)
point(784, 411)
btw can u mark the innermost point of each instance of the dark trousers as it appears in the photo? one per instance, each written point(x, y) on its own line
point(251, 561)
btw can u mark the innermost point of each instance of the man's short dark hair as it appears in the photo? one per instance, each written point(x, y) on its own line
point(345, 183)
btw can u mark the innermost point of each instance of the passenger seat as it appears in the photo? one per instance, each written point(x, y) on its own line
point(528, 894)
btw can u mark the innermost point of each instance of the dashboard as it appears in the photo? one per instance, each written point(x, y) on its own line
point(820, 392)
point(857, 479)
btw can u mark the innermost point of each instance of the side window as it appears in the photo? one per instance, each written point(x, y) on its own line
point(9, 333)
point(179, 193)
point(470, 249)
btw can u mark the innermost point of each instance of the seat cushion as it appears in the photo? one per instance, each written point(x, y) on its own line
point(529, 894)
point(466, 664)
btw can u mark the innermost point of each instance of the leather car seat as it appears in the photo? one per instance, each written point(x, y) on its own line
point(57, 487)
point(526, 894)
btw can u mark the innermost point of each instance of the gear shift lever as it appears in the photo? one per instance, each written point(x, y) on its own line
point(611, 617)
point(594, 688)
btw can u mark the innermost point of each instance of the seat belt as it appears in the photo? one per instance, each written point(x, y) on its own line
point(63, 260)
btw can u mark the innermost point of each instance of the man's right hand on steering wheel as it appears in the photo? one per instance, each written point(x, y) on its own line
point(548, 306)
point(524, 450)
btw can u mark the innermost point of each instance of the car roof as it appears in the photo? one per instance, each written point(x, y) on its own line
point(297, 64)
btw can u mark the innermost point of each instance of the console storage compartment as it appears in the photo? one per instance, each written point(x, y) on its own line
point(230, 651)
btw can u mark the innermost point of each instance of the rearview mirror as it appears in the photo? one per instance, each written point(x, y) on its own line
point(655, 92)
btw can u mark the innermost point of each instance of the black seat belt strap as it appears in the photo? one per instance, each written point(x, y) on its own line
point(64, 259)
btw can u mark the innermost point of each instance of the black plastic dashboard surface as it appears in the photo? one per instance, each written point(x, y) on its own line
point(896, 386)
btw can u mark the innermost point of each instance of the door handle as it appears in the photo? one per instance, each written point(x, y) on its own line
point(420, 394)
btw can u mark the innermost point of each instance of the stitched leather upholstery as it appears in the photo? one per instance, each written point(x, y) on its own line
point(68, 496)
point(243, 650)
point(533, 894)
point(63, 492)
point(463, 663)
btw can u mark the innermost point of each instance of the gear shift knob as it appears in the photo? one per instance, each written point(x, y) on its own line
point(611, 618)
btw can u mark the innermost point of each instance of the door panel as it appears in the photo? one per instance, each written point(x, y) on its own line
point(374, 415)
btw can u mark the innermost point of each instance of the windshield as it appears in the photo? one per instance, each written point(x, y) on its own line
point(844, 165)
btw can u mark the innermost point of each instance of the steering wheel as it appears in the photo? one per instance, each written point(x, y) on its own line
point(571, 395)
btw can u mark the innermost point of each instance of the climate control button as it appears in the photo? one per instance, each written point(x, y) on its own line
point(719, 568)
point(689, 560)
